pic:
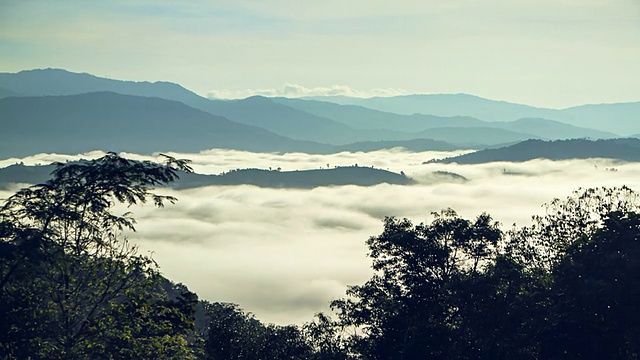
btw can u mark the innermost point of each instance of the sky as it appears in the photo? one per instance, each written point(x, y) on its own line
point(283, 254)
point(548, 53)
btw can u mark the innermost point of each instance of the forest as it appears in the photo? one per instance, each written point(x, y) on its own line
point(73, 286)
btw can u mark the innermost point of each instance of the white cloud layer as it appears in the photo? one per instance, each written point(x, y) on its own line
point(294, 91)
point(283, 254)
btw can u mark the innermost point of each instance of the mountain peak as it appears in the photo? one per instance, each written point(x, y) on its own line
point(258, 98)
point(52, 81)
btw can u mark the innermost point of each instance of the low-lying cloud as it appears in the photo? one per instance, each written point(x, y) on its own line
point(294, 91)
point(283, 254)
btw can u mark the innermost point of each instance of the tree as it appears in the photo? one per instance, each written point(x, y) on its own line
point(233, 334)
point(410, 308)
point(596, 293)
point(71, 286)
point(544, 244)
point(327, 338)
point(502, 311)
point(566, 287)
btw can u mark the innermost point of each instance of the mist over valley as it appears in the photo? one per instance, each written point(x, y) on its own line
point(284, 253)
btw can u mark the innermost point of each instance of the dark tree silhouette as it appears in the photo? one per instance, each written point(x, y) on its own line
point(410, 308)
point(233, 334)
point(71, 286)
point(565, 287)
point(596, 294)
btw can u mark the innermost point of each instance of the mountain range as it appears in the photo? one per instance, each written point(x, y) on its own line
point(116, 122)
point(620, 118)
point(54, 110)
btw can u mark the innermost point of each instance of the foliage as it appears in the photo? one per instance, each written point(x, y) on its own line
point(232, 334)
point(544, 243)
point(564, 288)
point(327, 338)
point(410, 306)
point(596, 293)
point(71, 287)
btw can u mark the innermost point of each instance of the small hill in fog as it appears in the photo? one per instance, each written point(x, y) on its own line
point(305, 179)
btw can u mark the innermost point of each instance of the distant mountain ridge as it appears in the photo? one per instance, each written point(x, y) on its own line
point(255, 111)
point(78, 123)
point(106, 120)
point(252, 111)
point(263, 112)
point(619, 149)
point(360, 117)
point(446, 105)
point(42, 82)
point(620, 118)
point(623, 118)
point(364, 118)
point(475, 137)
point(334, 124)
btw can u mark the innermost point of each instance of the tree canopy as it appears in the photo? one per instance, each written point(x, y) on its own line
point(565, 287)
point(71, 285)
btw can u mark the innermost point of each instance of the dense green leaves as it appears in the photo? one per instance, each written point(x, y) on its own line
point(71, 286)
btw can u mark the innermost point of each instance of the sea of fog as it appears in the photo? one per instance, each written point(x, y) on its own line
point(283, 254)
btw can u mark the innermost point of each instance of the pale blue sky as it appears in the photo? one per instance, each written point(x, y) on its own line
point(551, 53)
